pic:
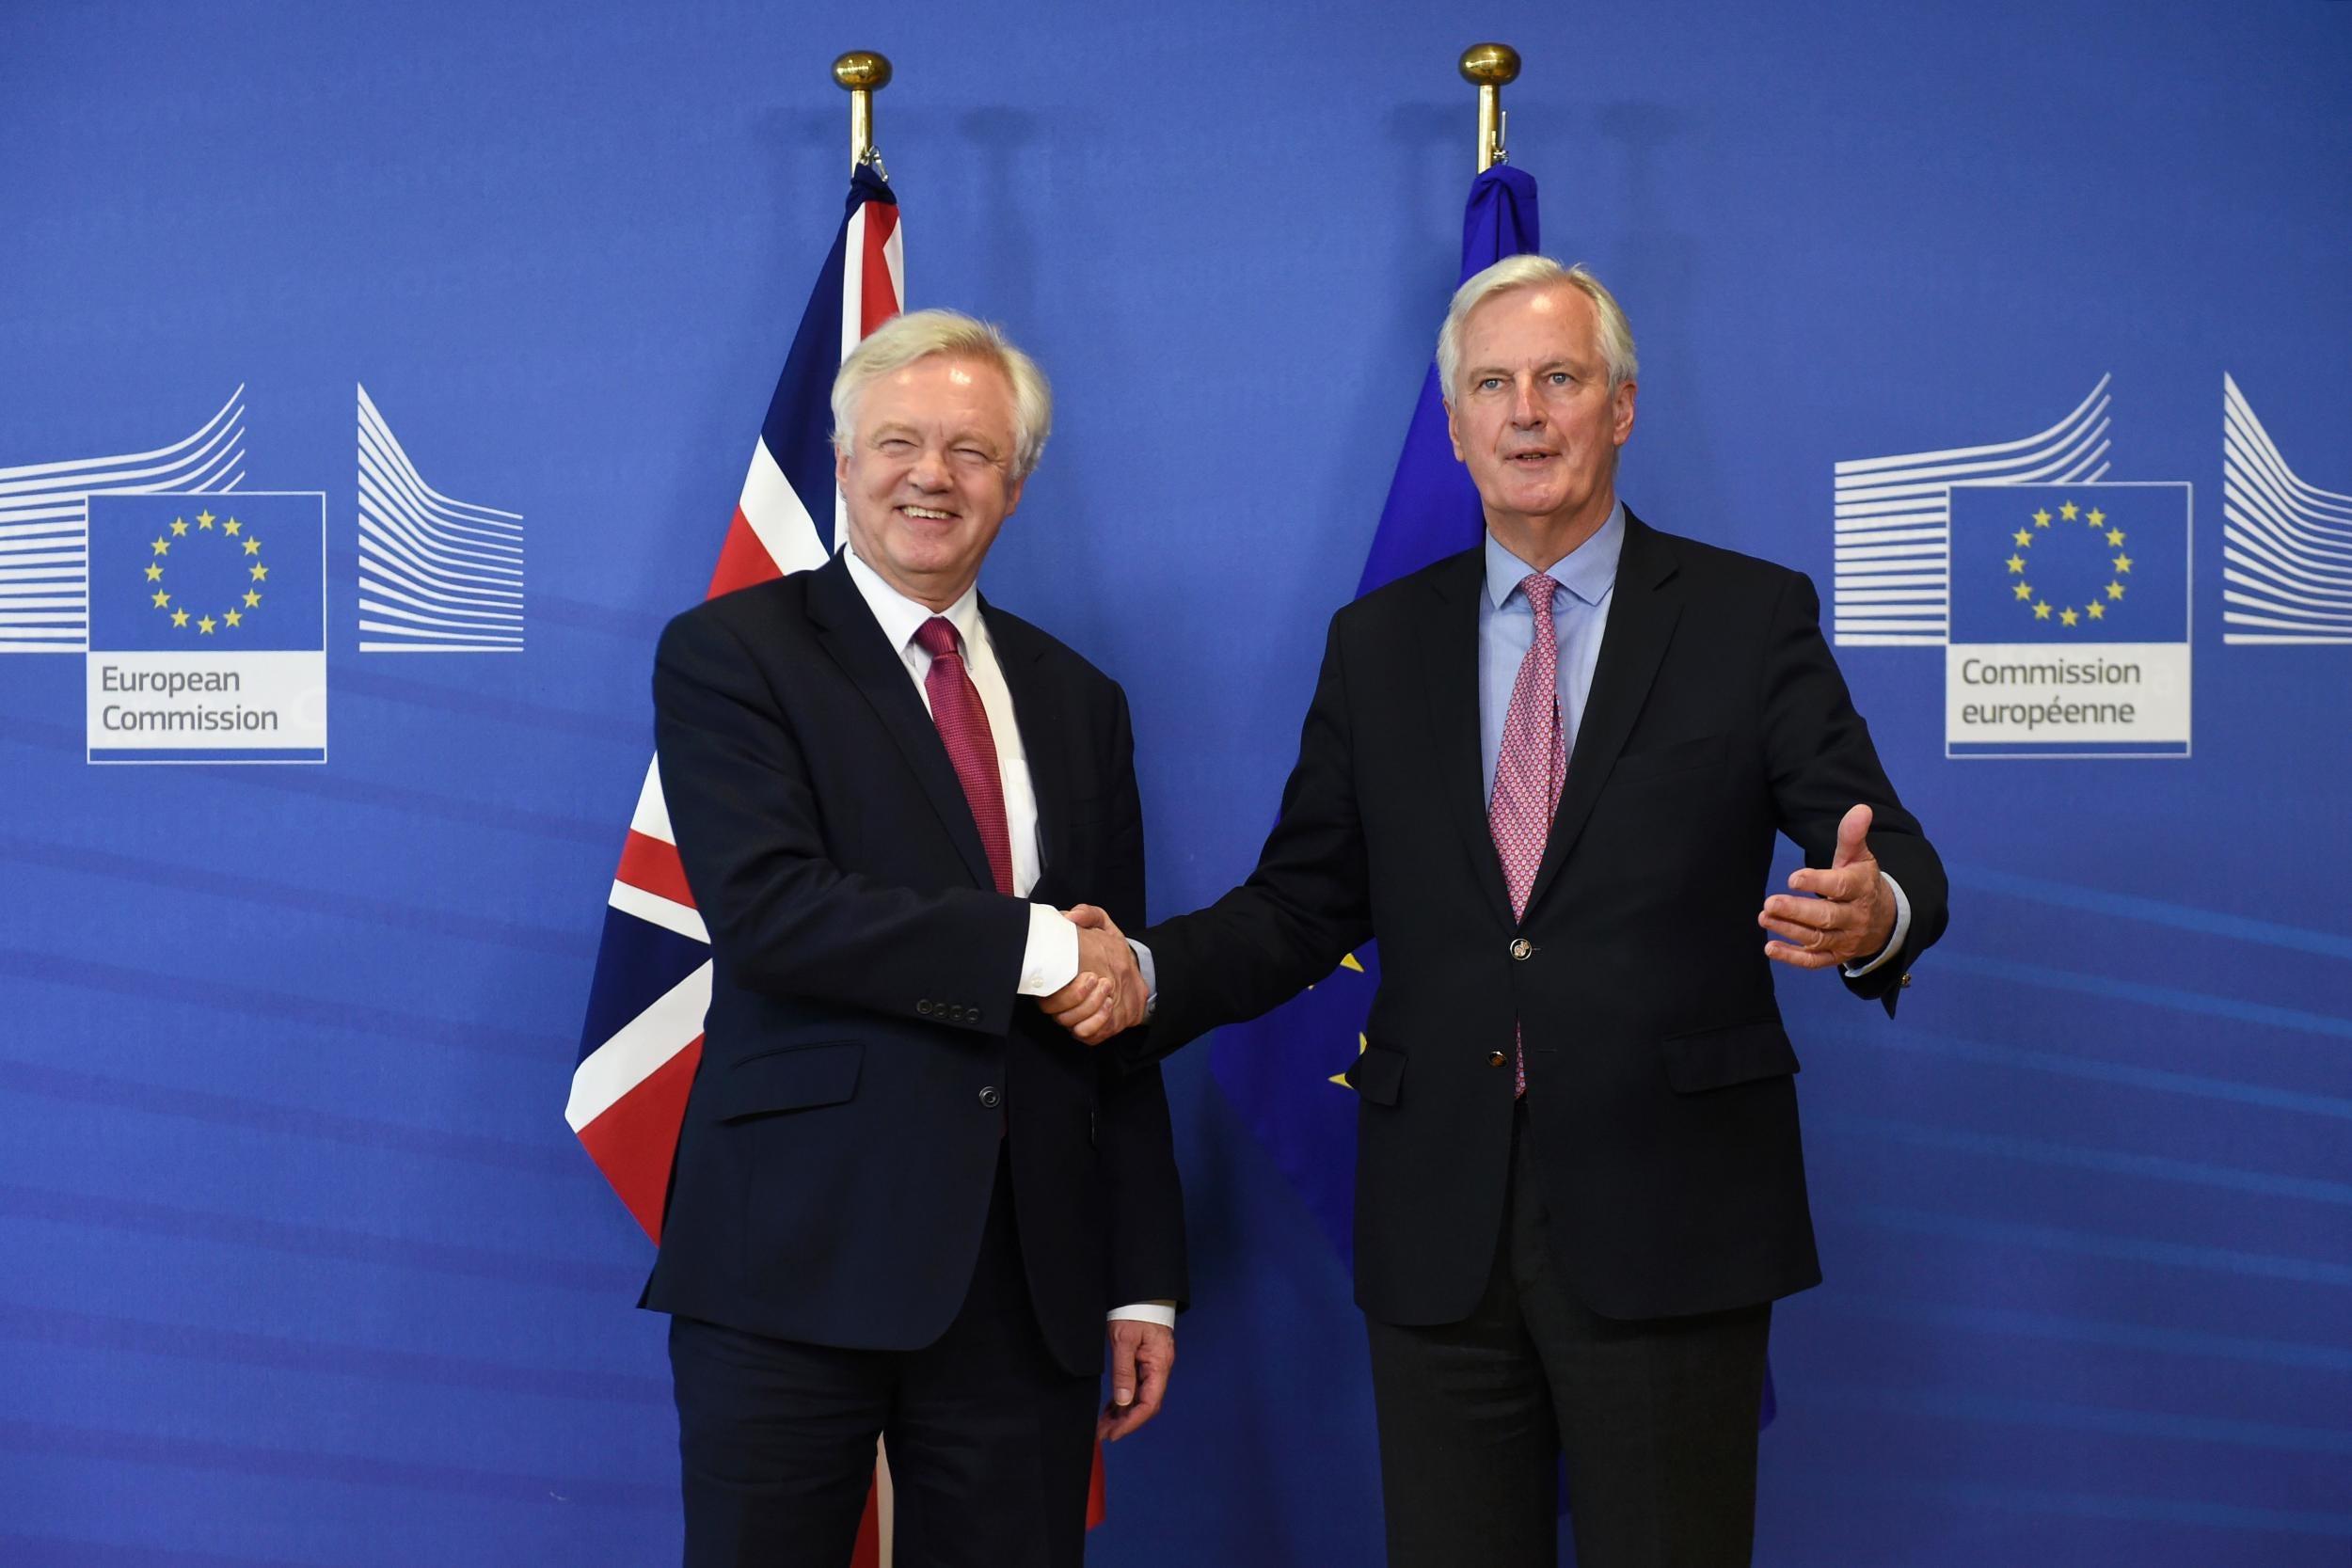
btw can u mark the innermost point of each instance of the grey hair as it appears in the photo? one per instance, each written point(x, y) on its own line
point(919, 334)
point(1615, 333)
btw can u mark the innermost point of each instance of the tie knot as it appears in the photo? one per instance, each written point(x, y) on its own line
point(936, 636)
point(1539, 590)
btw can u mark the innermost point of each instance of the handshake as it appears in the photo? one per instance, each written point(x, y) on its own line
point(1109, 993)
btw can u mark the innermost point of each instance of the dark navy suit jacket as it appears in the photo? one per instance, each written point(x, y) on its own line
point(864, 1051)
point(1661, 1095)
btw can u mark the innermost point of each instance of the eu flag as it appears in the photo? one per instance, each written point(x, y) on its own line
point(1282, 1070)
point(2069, 564)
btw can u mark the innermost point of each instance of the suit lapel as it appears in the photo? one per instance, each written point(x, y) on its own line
point(1643, 610)
point(1018, 657)
point(855, 640)
point(1449, 665)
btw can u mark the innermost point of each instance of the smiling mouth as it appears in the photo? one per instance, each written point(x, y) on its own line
point(1529, 459)
point(927, 514)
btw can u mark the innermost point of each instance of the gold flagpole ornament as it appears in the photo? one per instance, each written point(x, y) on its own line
point(863, 73)
point(1489, 68)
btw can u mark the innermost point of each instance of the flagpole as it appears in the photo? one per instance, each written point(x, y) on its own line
point(862, 73)
point(1489, 67)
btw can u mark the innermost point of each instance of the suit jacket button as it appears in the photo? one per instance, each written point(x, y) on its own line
point(926, 1008)
point(1496, 1058)
point(1521, 948)
point(1906, 983)
point(990, 1098)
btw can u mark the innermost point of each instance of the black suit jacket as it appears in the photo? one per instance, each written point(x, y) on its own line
point(864, 1051)
point(1660, 1093)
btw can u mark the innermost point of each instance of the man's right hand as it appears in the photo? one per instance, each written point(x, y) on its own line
point(1109, 995)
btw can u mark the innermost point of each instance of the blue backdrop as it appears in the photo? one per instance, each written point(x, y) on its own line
point(305, 1268)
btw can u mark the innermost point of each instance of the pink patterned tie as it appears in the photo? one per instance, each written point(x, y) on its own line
point(971, 744)
point(1529, 771)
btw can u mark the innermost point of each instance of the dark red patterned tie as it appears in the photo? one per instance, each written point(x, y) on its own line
point(971, 744)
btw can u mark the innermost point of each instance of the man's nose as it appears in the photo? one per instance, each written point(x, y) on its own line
point(1527, 409)
point(930, 470)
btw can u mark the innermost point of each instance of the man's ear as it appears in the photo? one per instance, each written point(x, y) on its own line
point(1621, 417)
point(1453, 432)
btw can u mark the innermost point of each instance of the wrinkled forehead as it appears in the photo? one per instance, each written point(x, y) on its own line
point(939, 388)
point(1542, 319)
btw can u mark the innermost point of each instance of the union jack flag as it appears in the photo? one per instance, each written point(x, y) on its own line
point(644, 1033)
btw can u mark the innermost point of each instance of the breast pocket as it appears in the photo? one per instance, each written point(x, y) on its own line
point(1657, 763)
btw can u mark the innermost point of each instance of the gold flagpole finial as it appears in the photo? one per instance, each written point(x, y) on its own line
point(863, 73)
point(1490, 67)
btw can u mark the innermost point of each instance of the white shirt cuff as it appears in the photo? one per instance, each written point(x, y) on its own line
point(1160, 1312)
point(1895, 942)
point(1051, 959)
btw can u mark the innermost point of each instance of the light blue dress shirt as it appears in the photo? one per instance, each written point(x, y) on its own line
point(1587, 577)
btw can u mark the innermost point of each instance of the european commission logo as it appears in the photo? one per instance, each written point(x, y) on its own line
point(2059, 597)
point(2069, 621)
point(207, 628)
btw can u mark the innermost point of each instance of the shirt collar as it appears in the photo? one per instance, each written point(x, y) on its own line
point(901, 617)
point(1588, 571)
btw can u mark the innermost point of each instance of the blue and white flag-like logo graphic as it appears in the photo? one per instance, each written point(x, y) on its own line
point(208, 627)
point(2286, 545)
point(436, 576)
point(44, 553)
point(1893, 521)
point(2069, 621)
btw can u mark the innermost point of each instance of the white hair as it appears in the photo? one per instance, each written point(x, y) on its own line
point(1614, 334)
point(919, 334)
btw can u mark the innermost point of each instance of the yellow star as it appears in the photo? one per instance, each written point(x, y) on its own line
point(204, 518)
point(2115, 536)
point(261, 573)
point(2042, 613)
point(163, 546)
point(2023, 537)
point(251, 598)
point(2096, 517)
point(2069, 511)
point(179, 617)
point(253, 546)
point(2096, 611)
point(2115, 589)
point(232, 526)
point(1340, 1077)
point(2123, 562)
point(205, 625)
point(2025, 590)
point(235, 616)
point(154, 573)
point(178, 527)
point(2041, 518)
point(162, 599)
point(2016, 563)
point(2068, 615)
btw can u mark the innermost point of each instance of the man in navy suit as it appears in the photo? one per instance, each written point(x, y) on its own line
point(906, 1203)
point(1547, 774)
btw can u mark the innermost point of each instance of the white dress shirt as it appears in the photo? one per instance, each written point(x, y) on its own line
point(1050, 961)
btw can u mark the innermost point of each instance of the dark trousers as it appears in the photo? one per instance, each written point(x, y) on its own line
point(990, 1441)
point(1656, 1419)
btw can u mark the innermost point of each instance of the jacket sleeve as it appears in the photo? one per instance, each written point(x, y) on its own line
point(1135, 1142)
point(784, 918)
point(1306, 907)
point(1820, 764)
